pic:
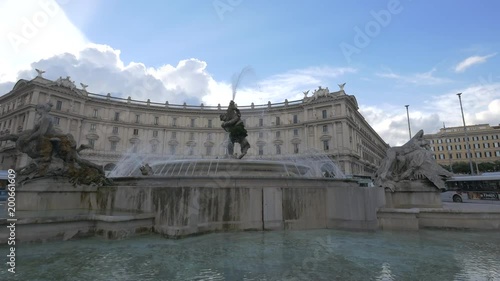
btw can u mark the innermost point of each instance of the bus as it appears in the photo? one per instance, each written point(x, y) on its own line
point(473, 188)
point(3, 185)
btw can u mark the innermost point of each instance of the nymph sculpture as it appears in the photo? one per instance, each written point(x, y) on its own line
point(237, 133)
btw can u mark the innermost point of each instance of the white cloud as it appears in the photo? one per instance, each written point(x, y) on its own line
point(279, 87)
point(481, 105)
point(470, 61)
point(424, 78)
point(101, 67)
point(34, 30)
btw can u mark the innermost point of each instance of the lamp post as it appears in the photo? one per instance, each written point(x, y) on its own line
point(466, 137)
point(408, 117)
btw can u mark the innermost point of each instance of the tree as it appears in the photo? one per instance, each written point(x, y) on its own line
point(461, 168)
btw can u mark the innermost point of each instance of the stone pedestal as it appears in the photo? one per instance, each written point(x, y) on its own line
point(414, 194)
point(48, 194)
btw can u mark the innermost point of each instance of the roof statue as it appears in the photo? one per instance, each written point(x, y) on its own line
point(318, 93)
point(341, 86)
point(412, 161)
point(84, 87)
point(40, 72)
point(66, 82)
point(305, 93)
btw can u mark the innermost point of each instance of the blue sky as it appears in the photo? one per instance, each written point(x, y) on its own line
point(389, 52)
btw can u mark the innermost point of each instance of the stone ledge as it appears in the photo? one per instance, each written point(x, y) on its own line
point(457, 217)
point(52, 228)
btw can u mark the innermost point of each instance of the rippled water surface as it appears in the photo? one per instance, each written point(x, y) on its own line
point(292, 255)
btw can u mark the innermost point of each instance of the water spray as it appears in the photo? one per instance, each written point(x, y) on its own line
point(237, 79)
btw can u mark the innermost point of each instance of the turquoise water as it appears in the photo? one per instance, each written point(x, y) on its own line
point(291, 255)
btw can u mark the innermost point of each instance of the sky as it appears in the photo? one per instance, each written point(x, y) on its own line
point(390, 53)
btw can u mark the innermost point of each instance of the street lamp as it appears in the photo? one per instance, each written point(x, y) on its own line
point(465, 132)
point(408, 116)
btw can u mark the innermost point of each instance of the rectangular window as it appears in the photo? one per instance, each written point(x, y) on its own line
point(96, 113)
point(210, 123)
point(441, 156)
point(277, 121)
point(295, 132)
point(174, 122)
point(449, 147)
point(324, 114)
point(172, 149)
point(261, 135)
point(93, 127)
point(136, 132)
point(459, 155)
point(92, 143)
point(157, 120)
point(154, 147)
point(192, 122)
point(115, 130)
point(326, 145)
point(295, 119)
point(57, 120)
point(278, 149)
point(155, 134)
point(137, 118)
point(486, 145)
point(191, 135)
point(261, 150)
point(278, 134)
point(174, 135)
point(479, 154)
point(209, 150)
point(497, 153)
point(261, 122)
point(113, 145)
point(295, 148)
point(117, 116)
point(209, 136)
point(487, 154)
point(59, 105)
point(325, 128)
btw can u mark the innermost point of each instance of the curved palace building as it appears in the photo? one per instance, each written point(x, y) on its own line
point(326, 122)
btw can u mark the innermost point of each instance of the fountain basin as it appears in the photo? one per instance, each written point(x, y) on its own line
point(229, 167)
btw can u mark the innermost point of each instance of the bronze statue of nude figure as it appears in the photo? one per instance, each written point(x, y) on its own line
point(237, 133)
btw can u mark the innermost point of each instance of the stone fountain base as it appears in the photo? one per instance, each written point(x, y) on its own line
point(52, 209)
point(413, 194)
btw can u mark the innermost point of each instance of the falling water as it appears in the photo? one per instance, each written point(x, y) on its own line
point(237, 79)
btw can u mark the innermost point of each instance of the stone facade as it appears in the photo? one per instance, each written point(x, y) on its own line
point(449, 144)
point(328, 122)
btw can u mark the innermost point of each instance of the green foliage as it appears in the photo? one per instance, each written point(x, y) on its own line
point(463, 167)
